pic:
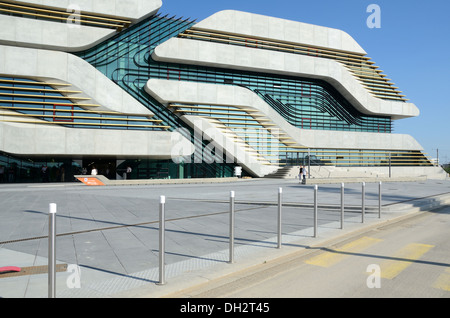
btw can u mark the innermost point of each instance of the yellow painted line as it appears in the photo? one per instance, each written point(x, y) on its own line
point(328, 259)
point(443, 281)
point(409, 254)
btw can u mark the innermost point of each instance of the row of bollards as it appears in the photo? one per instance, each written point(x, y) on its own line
point(363, 204)
point(162, 202)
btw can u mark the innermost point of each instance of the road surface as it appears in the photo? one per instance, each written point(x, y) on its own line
point(409, 258)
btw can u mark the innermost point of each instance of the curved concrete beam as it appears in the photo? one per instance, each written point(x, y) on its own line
point(56, 35)
point(68, 68)
point(166, 91)
point(255, 25)
point(178, 50)
point(130, 9)
point(55, 140)
point(50, 35)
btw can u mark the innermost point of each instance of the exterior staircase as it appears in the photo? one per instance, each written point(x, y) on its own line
point(287, 172)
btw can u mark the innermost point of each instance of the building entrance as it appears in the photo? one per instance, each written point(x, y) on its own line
point(106, 167)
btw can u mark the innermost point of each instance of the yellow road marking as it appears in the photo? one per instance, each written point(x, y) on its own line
point(409, 254)
point(328, 259)
point(443, 281)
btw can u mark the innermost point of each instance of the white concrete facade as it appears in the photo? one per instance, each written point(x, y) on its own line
point(212, 54)
point(255, 25)
point(50, 35)
point(42, 50)
point(69, 36)
point(168, 92)
point(37, 49)
point(194, 52)
point(130, 9)
point(68, 68)
point(50, 140)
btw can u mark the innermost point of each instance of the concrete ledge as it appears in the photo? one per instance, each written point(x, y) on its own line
point(108, 182)
point(362, 179)
point(421, 204)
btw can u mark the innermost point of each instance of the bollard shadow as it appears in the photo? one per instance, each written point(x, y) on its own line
point(316, 249)
point(381, 257)
point(245, 242)
point(189, 256)
point(130, 276)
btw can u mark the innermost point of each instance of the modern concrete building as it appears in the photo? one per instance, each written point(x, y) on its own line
point(114, 84)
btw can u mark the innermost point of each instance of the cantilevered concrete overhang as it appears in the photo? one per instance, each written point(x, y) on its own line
point(167, 91)
point(52, 140)
point(61, 31)
point(186, 51)
point(199, 51)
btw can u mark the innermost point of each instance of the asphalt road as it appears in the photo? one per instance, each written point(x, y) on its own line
point(409, 258)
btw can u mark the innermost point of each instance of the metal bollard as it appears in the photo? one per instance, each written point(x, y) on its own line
point(342, 205)
point(315, 210)
point(52, 251)
point(379, 200)
point(162, 245)
point(231, 248)
point(280, 190)
point(363, 201)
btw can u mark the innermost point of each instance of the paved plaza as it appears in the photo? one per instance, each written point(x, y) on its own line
point(108, 237)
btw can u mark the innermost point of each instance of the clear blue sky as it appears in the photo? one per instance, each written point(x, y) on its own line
point(412, 47)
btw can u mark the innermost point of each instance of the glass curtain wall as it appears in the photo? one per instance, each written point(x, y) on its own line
point(126, 60)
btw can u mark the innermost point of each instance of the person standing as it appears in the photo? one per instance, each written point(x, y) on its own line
point(304, 175)
point(300, 174)
point(11, 174)
point(44, 173)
